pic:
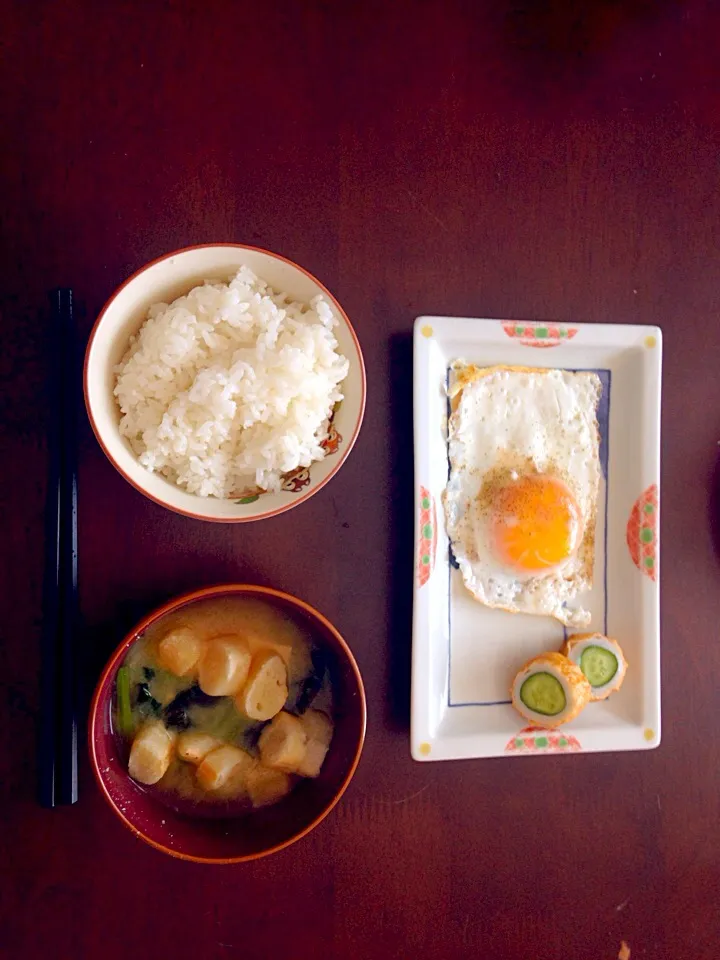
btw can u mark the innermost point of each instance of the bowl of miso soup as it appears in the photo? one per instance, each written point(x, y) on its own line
point(227, 724)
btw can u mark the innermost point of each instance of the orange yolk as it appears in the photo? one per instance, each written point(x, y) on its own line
point(536, 523)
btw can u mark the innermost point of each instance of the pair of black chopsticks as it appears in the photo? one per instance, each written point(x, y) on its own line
point(60, 638)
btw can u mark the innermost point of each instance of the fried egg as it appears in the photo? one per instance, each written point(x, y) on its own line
point(521, 498)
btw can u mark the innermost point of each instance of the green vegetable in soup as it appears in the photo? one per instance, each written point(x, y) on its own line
point(250, 734)
point(145, 702)
point(124, 710)
point(165, 686)
point(221, 719)
point(307, 686)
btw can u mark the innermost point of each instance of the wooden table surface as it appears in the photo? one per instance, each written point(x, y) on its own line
point(480, 158)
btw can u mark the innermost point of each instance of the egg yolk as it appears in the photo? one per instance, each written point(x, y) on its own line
point(536, 523)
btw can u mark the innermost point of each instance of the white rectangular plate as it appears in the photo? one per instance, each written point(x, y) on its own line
point(464, 654)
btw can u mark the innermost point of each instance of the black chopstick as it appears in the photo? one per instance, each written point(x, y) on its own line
point(57, 752)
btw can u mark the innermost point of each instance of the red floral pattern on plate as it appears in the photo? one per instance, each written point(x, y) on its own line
point(428, 536)
point(539, 740)
point(642, 532)
point(538, 334)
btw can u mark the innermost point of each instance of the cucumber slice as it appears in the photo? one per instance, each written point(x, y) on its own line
point(599, 665)
point(543, 693)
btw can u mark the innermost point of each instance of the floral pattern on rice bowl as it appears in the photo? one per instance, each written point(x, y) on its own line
point(296, 480)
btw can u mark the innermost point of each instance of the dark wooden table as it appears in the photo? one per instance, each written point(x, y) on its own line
point(462, 157)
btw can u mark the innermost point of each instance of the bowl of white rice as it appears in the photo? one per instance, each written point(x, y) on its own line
point(225, 382)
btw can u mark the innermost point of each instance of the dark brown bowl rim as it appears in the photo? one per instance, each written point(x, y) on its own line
point(190, 513)
point(166, 608)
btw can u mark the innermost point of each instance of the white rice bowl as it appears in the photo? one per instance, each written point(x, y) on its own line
point(231, 386)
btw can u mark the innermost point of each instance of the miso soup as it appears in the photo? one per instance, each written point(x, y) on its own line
point(222, 706)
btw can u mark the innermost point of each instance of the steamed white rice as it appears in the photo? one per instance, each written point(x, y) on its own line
point(230, 387)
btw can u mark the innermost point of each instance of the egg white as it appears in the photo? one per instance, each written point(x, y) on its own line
point(509, 422)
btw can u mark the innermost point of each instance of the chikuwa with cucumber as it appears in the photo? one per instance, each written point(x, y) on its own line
point(600, 659)
point(553, 688)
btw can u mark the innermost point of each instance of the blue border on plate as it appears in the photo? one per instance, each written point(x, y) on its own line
point(603, 416)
